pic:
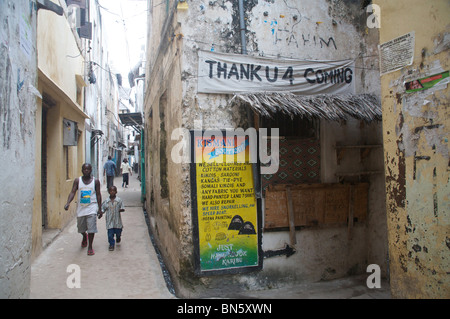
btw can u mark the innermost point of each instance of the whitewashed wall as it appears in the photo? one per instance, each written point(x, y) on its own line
point(17, 143)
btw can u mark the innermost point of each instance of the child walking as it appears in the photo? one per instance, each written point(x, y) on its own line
point(113, 206)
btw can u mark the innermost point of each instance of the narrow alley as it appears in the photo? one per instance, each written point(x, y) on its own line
point(132, 270)
point(279, 149)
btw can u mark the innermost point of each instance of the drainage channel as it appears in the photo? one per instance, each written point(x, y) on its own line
point(164, 269)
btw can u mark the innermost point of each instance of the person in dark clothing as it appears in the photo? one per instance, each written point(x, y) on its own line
point(109, 170)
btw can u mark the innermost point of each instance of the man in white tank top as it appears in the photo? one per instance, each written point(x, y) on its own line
point(89, 205)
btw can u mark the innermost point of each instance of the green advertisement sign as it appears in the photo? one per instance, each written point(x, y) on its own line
point(426, 82)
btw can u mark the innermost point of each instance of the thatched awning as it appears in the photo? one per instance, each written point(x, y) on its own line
point(364, 107)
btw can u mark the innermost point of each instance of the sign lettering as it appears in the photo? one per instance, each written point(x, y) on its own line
point(225, 208)
point(232, 73)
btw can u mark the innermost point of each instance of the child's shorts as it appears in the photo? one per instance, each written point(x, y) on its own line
point(87, 223)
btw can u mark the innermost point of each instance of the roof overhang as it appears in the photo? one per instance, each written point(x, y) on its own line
point(55, 90)
point(364, 107)
point(132, 119)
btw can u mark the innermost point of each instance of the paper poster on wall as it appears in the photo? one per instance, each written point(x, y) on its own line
point(427, 82)
point(397, 53)
point(226, 213)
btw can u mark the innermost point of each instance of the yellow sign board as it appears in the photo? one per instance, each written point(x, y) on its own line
point(226, 211)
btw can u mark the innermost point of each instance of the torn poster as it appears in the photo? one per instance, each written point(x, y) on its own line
point(426, 82)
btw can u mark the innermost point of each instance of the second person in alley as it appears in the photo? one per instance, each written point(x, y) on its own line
point(126, 169)
point(88, 205)
point(113, 206)
point(109, 169)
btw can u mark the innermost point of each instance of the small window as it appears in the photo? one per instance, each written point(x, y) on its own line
point(297, 127)
point(299, 150)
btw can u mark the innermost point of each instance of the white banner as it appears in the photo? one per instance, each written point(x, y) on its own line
point(234, 73)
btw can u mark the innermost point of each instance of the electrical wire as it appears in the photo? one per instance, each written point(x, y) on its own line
point(215, 45)
point(158, 4)
point(276, 55)
point(121, 15)
point(126, 36)
point(98, 65)
point(123, 22)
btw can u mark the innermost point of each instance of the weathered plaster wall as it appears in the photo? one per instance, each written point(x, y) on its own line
point(59, 62)
point(164, 198)
point(59, 55)
point(316, 30)
point(93, 92)
point(17, 145)
point(36, 229)
point(58, 185)
point(415, 129)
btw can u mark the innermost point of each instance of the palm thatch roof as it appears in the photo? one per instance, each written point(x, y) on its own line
point(364, 107)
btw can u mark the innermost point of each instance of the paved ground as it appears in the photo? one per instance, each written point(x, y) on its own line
point(133, 270)
point(354, 287)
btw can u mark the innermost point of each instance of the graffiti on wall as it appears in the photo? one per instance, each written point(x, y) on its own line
point(292, 36)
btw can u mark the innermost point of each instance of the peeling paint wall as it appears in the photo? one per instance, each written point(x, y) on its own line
point(416, 132)
point(316, 30)
point(17, 147)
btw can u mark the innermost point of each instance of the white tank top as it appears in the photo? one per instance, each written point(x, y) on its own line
point(87, 198)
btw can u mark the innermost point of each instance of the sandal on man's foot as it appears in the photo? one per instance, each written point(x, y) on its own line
point(84, 242)
point(90, 252)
